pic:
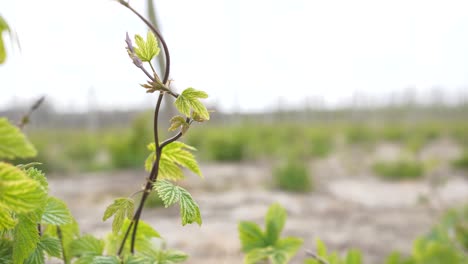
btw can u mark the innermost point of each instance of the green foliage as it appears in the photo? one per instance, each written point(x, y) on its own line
point(399, 170)
point(227, 148)
point(321, 144)
point(268, 245)
point(462, 161)
point(179, 121)
point(146, 50)
point(121, 208)
point(25, 236)
point(18, 194)
point(175, 156)
point(86, 246)
point(56, 212)
point(188, 101)
point(171, 194)
point(322, 256)
point(128, 150)
point(144, 239)
point(293, 176)
point(154, 201)
point(13, 144)
point(359, 135)
point(3, 27)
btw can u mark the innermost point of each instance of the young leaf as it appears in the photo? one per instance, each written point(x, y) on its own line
point(287, 248)
point(37, 257)
point(189, 100)
point(6, 251)
point(177, 152)
point(106, 260)
point(67, 233)
point(121, 208)
point(13, 144)
point(321, 249)
point(146, 51)
point(18, 192)
point(174, 156)
point(56, 212)
point(179, 121)
point(353, 257)
point(274, 222)
point(172, 256)
point(38, 176)
point(51, 246)
point(26, 237)
point(251, 236)
point(170, 194)
point(257, 255)
point(86, 245)
point(6, 219)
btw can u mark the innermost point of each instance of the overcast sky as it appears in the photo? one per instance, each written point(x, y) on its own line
point(244, 53)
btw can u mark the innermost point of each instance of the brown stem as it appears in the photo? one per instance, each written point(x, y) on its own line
point(26, 117)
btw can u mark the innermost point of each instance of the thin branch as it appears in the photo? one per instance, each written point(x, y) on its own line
point(170, 140)
point(316, 257)
point(25, 119)
point(124, 239)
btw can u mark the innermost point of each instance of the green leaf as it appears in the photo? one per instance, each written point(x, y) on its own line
point(3, 27)
point(6, 251)
point(170, 194)
point(174, 156)
point(274, 223)
point(144, 238)
point(353, 257)
point(179, 121)
point(51, 246)
point(172, 256)
point(37, 257)
point(251, 236)
point(38, 176)
point(56, 212)
point(146, 50)
point(287, 248)
point(18, 192)
point(86, 245)
point(68, 233)
point(188, 100)
point(257, 255)
point(105, 260)
point(26, 237)
point(321, 249)
point(6, 219)
point(178, 153)
point(13, 144)
point(121, 208)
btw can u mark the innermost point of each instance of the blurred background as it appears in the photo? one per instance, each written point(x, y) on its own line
point(352, 114)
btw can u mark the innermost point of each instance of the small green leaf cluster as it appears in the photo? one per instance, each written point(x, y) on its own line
point(352, 256)
point(260, 245)
point(293, 176)
point(399, 170)
point(25, 205)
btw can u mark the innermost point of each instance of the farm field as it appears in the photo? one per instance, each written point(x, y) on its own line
point(348, 206)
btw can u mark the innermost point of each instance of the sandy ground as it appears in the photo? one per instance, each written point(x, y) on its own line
point(349, 209)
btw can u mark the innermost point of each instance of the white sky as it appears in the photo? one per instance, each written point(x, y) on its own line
point(244, 53)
